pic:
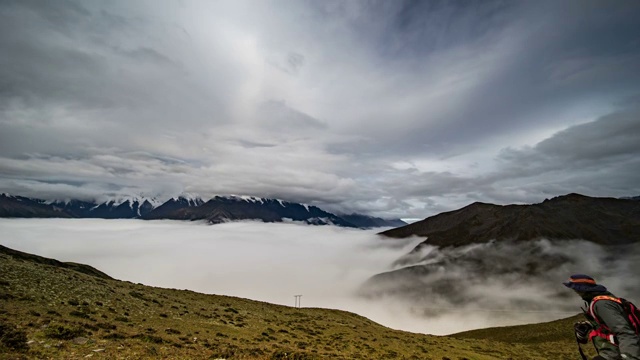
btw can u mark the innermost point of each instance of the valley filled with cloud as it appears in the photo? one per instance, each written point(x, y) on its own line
point(458, 289)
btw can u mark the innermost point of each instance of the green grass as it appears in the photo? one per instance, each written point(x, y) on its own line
point(59, 313)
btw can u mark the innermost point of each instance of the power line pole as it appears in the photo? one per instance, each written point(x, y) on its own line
point(298, 300)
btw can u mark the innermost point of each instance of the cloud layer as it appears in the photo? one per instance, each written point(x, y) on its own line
point(400, 109)
point(471, 287)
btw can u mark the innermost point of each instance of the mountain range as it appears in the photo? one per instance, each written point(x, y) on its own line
point(216, 210)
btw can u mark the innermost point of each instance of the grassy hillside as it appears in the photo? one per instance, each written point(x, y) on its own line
point(539, 338)
point(55, 312)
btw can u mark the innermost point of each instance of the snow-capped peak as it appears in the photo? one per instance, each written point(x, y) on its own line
point(190, 199)
point(247, 198)
point(133, 199)
point(187, 196)
point(255, 199)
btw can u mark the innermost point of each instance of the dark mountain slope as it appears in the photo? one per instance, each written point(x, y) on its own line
point(22, 207)
point(605, 221)
point(363, 221)
point(75, 208)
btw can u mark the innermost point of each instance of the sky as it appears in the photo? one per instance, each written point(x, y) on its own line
point(399, 109)
point(329, 267)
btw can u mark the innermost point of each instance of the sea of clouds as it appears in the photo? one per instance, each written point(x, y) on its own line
point(328, 266)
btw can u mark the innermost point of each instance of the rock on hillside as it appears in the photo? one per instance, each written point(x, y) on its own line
point(606, 221)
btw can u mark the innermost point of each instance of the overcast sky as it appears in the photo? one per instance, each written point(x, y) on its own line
point(392, 108)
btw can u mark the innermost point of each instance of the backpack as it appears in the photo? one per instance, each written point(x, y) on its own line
point(631, 312)
point(594, 328)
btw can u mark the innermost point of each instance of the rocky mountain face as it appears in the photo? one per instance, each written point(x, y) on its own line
point(217, 210)
point(606, 221)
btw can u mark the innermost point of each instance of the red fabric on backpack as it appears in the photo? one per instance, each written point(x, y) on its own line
point(630, 310)
point(633, 314)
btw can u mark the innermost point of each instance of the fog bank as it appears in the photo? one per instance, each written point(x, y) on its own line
point(326, 264)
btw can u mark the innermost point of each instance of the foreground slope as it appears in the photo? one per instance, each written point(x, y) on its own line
point(51, 311)
point(537, 337)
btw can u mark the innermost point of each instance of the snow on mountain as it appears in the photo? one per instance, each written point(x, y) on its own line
point(255, 199)
point(247, 198)
point(131, 200)
point(185, 206)
point(187, 199)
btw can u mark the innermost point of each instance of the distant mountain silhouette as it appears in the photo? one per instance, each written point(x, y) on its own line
point(217, 210)
point(606, 221)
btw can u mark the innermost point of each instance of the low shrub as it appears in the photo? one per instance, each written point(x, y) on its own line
point(150, 338)
point(106, 326)
point(13, 338)
point(79, 314)
point(62, 332)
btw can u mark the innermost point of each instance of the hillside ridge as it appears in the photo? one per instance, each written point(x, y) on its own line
point(606, 221)
point(82, 268)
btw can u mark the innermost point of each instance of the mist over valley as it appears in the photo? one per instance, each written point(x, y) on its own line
point(441, 292)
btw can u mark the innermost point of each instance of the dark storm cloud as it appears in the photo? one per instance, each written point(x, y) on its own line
point(398, 108)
